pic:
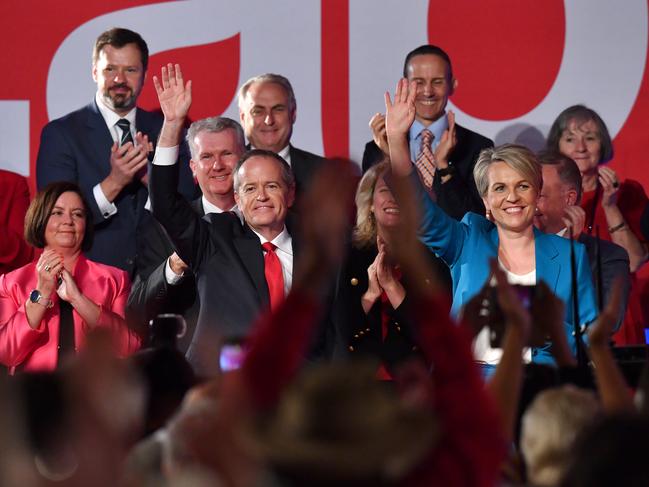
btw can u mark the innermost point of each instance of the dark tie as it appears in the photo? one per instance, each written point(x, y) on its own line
point(66, 331)
point(125, 126)
point(274, 276)
point(425, 162)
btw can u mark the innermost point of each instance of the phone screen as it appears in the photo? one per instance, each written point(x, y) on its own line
point(232, 356)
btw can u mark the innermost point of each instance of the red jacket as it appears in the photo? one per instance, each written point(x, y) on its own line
point(26, 349)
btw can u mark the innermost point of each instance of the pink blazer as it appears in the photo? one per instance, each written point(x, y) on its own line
point(25, 349)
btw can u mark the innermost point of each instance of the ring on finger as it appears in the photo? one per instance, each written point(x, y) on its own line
point(47, 268)
point(616, 184)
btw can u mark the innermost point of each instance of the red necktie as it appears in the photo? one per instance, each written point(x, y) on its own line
point(274, 276)
point(425, 162)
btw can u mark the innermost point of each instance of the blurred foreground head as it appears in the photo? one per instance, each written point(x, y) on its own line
point(337, 425)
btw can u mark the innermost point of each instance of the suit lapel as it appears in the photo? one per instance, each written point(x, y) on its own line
point(249, 249)
point(99, 137)
point(548, 267)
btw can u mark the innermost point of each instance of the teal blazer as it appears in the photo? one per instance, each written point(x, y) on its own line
point(468, 245)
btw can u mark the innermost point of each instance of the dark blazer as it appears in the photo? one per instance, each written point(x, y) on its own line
point(458, 195)
point(227, 259)
point(615, 263)
point(360, 334)
point(304, 164)
point(76, 148)
point(151, 295)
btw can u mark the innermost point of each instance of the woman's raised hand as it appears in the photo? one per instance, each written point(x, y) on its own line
point(400, 115)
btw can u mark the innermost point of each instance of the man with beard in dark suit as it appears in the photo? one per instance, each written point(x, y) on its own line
point(163, 283)
point(451, 184)
point(268, 110)
point(558, 208)
point(103, 148)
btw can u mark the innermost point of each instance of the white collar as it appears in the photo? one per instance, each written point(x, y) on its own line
point(110, 117)
point(283, 241)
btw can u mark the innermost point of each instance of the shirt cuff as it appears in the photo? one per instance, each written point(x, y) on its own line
point(170, 276)
point(106, 208)
point(165, 156)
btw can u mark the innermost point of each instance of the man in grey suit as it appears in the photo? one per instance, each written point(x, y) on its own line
point(268, 110)
point(558, 209)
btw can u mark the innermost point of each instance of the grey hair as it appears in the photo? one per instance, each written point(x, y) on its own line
point(214, 125)
point(268, 78)
point(287, 174)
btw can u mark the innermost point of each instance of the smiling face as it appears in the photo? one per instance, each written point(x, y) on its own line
point(263, 196)
point(583, 144)
point(119, 75)
point(66, 225)
point(434, 86)
point(267, 116)
point(510, 198)
point(216, 155)
point(384, 207)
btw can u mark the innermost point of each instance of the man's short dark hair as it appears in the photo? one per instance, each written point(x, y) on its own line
point(428, 49)
point(287, 173)
point(567, 170)
point(40, 210)
point(118, 37)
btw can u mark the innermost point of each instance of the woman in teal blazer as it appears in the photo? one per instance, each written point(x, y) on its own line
point(509, 180)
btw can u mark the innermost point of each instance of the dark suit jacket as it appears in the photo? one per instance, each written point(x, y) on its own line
point(76, 148)
point(360, 334)
point(227, 259)
point(458, 195)
point(615, 263)
point(304, 164)
point(151, 295)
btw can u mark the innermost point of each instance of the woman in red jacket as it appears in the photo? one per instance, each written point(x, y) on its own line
point(48, 306)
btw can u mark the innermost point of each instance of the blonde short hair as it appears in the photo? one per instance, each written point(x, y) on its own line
point(518, 157)
point(549, 428)
point(365, 229)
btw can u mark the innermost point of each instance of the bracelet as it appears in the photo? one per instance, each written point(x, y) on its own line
point(616, 227)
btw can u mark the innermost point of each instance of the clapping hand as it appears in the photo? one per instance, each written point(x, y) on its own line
point(446, 144)
point(379, 134)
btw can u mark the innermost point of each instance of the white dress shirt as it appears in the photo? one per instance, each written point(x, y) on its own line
point(108, 208)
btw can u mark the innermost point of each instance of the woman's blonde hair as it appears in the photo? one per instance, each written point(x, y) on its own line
point(518, 157)
point(365, 229)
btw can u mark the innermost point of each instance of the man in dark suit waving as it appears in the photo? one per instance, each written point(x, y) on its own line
point(268, 110)
point(451, 183)
point(241, 265)
point(103, 147)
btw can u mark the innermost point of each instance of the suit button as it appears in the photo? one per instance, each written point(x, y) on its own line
point(354, 281)
point(351, 349)
point(106, 214)
point(129, 261)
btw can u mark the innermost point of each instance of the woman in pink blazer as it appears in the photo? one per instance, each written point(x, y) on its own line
point(47, 307)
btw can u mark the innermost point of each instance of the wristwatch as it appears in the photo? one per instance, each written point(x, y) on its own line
point(36, 297)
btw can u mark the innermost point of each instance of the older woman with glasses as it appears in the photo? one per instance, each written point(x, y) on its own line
point(47, 307)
